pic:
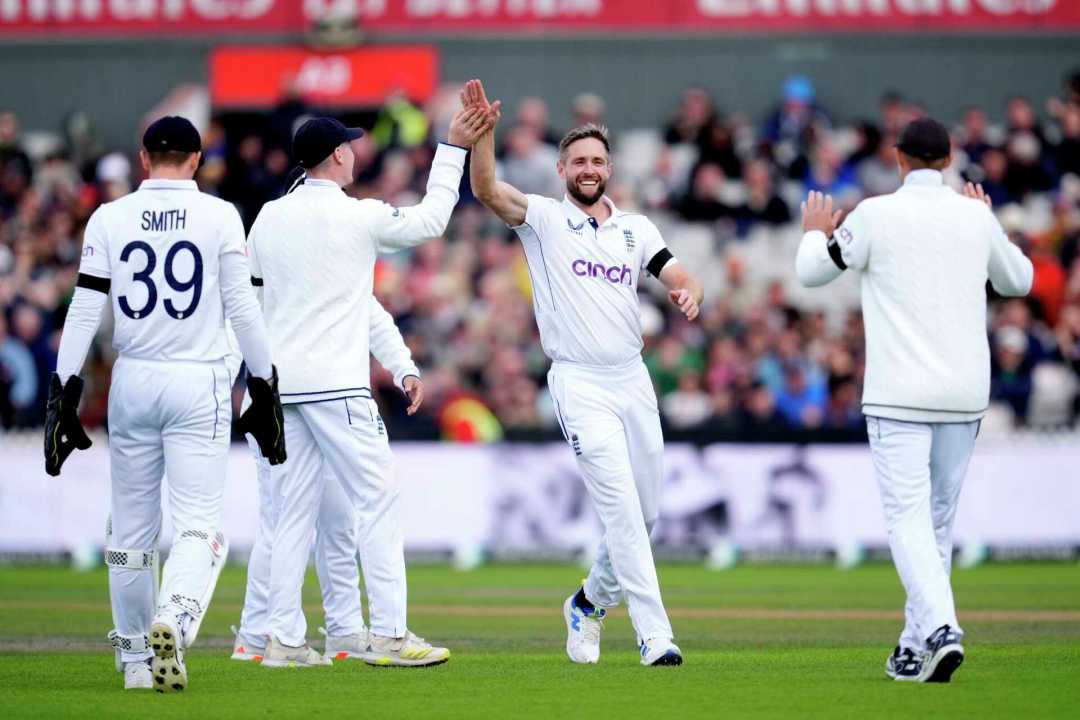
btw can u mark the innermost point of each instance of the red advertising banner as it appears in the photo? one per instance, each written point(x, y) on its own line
point(38, 18)
point(257, 76)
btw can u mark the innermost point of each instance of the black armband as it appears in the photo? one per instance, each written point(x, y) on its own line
point(257, 282)
point(834, 252)
point(93, 282)
point(659, 260)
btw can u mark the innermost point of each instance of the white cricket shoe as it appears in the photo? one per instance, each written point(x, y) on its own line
point(583, 632)
point(660, 651)
point(247, 652)
point(137, 675)
point(407, 651)
point(167, 665)
point(344, 647)
point(279, 656)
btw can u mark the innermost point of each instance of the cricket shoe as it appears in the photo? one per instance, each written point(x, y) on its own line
point(246, 651)
point(280, 656)
point(660, 651)
point(944, 653)
point(904, 664)
point(344, 647)
point(407, 651)
point(138, 676)
point(167, 665)
point(583, 632)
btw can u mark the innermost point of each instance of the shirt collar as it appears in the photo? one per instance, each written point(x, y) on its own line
point(579, 214)
point(924, 177)
point(320, 184)
point(163, 184)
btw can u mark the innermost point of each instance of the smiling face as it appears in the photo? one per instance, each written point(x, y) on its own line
point(586, 167)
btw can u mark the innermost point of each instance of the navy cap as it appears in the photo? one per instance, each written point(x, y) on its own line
point(172, 133)
point(925, 139)
point(318, 137)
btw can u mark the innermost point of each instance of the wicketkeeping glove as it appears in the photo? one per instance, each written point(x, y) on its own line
point(63, 430)
point(264, 419)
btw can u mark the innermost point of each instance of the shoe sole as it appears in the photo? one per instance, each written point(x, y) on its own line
point(387, 661)
point(668, 659)
point(267, 662)
point(169, 674)
point(944, 663)
point(247, 657)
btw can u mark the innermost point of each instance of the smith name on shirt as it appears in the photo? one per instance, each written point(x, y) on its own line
point(163, 220)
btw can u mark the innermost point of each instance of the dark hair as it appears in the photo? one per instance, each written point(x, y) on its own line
point(170, 158)
point(920, 164)
point(589, 130)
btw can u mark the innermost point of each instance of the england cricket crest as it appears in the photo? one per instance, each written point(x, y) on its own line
point(628, 236)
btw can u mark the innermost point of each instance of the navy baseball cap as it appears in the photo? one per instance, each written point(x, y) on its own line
point(318, 137)
point(172, 133)
point(925, 139)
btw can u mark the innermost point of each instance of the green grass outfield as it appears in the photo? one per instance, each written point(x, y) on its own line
point(759, 641)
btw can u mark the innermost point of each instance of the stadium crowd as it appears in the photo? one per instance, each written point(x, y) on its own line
point(766, 359)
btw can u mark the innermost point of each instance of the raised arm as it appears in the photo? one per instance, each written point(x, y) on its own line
point(825, 251)
point(1010, 271)
point(399, 228)
point(503, 199)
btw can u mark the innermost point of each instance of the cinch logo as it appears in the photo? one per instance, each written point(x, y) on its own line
point(616, 275)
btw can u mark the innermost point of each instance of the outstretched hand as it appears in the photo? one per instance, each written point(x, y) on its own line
point(467, 126)
point(975, 192)
point(818, 213)
point(473, 96)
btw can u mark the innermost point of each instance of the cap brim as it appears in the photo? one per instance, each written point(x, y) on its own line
point(354, 133)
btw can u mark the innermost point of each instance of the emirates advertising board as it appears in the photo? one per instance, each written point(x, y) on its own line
point(66, 18)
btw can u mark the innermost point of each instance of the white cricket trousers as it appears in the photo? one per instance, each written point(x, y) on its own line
point(335, 560)
point(165, 418)
point(920, 470)
point(343, 438)
point(610, 419)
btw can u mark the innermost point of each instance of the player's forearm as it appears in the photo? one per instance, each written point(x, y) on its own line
point(813, 263)
point(430, 217)
point(80, 327)
point(482, 168)
point(387, 345)
point(1011, 272)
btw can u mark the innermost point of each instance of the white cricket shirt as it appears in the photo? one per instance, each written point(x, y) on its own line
point(174, 259)
point(585, 277)
point(925, 254)
point(313, 252)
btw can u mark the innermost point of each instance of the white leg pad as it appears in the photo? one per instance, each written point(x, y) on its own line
point(130, 643)
point(195, 605)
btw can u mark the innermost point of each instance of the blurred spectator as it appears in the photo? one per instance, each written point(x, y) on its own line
point(18, 378)
point(763, 204)
point(1011, 369)
point(694, 114)
point(532, 112)
point(588, 108)
point(529, 164)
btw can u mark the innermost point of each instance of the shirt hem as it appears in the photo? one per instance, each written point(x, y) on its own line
point(923, 415)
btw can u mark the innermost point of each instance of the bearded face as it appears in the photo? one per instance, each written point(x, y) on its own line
point(586, 168)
